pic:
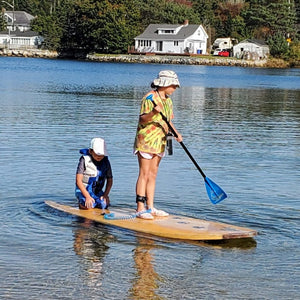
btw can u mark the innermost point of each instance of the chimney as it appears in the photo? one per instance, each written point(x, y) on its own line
point(186, 23)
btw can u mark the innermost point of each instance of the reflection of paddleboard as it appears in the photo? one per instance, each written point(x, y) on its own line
point(173, 226)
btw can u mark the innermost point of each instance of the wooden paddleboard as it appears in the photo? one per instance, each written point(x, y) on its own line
point(173, 226)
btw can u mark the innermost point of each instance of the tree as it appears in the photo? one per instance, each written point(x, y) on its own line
point(278, 44)
point(2, 21)
point(53, 26)
point(266, 17)
point(229, 21)
point(273, 21)
point(109, 26)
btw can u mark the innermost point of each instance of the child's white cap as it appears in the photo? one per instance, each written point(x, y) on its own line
point(98, 146)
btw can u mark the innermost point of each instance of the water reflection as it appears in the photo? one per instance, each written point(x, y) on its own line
point(146, 280)
point(91, 243)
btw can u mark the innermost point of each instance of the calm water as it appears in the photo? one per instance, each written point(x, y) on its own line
point(241, 125)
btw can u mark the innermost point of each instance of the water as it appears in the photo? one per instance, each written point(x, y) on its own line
point(241, 126)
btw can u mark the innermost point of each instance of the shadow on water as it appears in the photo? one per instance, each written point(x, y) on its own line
point(243, 244)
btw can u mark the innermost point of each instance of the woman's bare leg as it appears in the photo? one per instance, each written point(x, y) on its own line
point(145, 185)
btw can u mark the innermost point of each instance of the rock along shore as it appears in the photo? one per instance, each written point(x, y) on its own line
point(179, 60)
point(153, 59)
point(29, 53)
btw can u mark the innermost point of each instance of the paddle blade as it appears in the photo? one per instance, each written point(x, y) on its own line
point(214, 192)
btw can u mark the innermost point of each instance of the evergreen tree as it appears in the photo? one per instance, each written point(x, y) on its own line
point(2, 21)
point(109, 26)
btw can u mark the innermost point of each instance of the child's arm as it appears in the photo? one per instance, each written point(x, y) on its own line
point(89, 201)
point(109, 183)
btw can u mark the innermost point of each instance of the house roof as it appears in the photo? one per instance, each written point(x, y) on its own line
point(151, 32)
point(18, 33)
point(21, 17)
point(254, 41)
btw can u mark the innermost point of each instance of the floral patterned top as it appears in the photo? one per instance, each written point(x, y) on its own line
point(151, 136)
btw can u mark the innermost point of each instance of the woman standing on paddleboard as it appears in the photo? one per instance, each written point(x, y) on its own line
point(150, 140)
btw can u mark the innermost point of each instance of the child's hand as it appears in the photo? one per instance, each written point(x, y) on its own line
point(106, 198)
point(89, 201)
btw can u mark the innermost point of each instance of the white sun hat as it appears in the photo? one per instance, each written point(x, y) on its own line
point(98, 145)
point(166, 78)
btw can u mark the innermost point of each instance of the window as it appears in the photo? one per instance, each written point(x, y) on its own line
point(175, 43)
point(166, 31)
point(144, 43)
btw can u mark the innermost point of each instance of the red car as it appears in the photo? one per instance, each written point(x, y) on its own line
point(224, 53)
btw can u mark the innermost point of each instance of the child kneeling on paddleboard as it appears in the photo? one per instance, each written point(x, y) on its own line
point(150, 140)
point(93, 172)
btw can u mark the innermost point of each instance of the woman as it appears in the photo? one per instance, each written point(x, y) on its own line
point(150, 140)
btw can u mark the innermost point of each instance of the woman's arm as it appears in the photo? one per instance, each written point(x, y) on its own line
point(145, 118)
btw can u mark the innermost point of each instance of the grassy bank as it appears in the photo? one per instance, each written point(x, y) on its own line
point(191, 60)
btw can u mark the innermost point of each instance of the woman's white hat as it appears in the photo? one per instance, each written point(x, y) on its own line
point(166, 78)
point(98, 145)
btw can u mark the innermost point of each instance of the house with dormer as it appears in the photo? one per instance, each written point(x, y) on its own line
point(18, 33)
point(172, 39)
point(18, 20)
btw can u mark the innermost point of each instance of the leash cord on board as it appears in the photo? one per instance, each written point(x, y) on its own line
point(112, 216)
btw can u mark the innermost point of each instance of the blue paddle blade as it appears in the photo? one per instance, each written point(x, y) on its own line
point(214, 192)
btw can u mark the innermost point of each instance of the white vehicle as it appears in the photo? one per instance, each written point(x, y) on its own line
point(221, 44)
point(216, 52)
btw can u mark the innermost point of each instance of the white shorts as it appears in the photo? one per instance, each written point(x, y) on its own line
point(150, 155)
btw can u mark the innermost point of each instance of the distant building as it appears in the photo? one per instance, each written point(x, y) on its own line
point(18, 34)
point(18, 20)
point(172, 39)
point(251, 49)
point(20, 40)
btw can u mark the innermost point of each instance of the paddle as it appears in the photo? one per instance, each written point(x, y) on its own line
point(214, 192)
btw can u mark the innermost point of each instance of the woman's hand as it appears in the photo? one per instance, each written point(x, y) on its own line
point(156, 109)
point(179, 137)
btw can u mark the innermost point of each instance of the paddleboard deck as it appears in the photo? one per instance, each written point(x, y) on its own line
point(173, 226)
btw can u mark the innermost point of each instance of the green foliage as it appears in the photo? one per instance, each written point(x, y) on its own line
point(295, 51)
point(50, 29)
point(278, 45)
point(205, 10)
point(2, 22)
point(267, 17)
point(109, 26)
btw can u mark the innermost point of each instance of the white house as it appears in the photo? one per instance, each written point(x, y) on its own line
point(20, 40)
point(251, 49)
point(170, 38)
point(18, 34)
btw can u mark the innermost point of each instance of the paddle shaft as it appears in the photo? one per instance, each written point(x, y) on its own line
point(181, 143)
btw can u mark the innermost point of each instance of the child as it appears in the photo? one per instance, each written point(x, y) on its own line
point(93, 171)
point(150, 140)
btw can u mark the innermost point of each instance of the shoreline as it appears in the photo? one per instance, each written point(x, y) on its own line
point(154, 59)
point(177, 60)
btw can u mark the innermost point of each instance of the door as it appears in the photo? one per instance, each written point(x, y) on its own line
point(159, 46)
